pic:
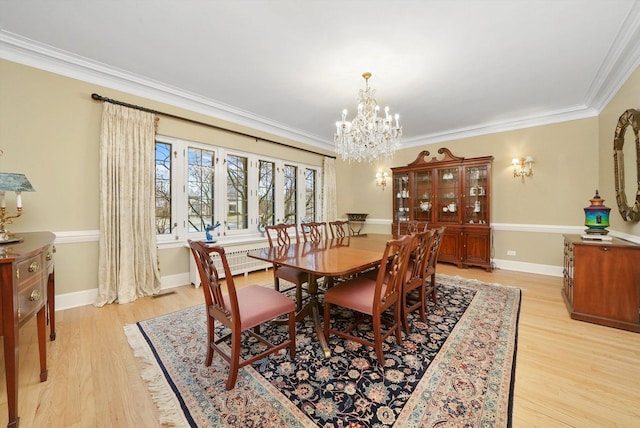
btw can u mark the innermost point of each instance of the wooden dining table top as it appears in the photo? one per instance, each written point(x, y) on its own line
point(329, 257)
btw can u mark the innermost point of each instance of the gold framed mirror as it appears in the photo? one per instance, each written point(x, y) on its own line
point(627, 172)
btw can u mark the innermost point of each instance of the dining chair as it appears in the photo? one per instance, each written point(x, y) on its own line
point(415, 226)
point(241, 310)
point(340, 228)
point(365, 296)
point(432, 263)
point(416, 277)
point(314, 231)
point(283, 235)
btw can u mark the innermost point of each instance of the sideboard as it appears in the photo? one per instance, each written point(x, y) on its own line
point(28, 288)
point(601, 282)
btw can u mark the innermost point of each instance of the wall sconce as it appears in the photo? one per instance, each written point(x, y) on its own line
point(381, 179)
point(522, 167)
point(11, 183)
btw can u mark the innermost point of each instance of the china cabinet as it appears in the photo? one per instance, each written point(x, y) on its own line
point(449, 191)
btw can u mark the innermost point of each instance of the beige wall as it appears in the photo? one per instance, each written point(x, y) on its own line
point(565, 177)
point(50, 131)
point(627, 98)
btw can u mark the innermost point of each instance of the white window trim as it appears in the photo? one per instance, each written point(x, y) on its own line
point(179, 201)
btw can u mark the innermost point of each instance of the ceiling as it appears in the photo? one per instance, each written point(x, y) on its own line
point(450, 68)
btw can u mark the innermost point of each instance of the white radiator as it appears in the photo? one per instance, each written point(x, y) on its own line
point(239, 262)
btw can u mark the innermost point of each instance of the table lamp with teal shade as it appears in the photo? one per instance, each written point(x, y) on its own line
point(11, 182)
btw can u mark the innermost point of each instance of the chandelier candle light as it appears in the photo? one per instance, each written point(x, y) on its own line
point(368, 136)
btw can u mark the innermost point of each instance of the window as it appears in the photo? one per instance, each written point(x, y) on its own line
point(237, 213)
point(163, 189)
point(310, 194)
point(199, 185)
point(290, 194)
point(266, 192)
point(201, 181)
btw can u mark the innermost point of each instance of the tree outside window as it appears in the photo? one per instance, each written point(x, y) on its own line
point(237, 202)
point(200, 189)
point(266, 192)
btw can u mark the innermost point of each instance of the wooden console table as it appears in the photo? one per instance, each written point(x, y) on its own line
point(602, 282)
point(28, 288)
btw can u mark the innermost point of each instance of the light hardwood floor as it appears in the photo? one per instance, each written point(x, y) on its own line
point(568, 373)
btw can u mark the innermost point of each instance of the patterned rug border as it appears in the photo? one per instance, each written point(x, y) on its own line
point(173, 410)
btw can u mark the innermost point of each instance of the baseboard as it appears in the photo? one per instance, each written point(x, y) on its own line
point(89, 297)
point(528, 267)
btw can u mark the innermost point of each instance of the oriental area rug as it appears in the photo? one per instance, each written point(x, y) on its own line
point(455, 370)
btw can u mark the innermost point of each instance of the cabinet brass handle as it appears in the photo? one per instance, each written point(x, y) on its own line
point(49, 257)
point(604, 248)
point(34, 267)
point(35, 295)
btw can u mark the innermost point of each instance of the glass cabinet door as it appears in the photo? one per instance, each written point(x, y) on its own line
point(422, 196)
point(401, 198)
point(476, 210)
point(448, 188)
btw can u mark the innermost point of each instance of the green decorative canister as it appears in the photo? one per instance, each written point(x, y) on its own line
point(596, 216)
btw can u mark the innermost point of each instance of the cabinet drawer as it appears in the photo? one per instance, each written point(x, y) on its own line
point(29, 268)
point(30, 286)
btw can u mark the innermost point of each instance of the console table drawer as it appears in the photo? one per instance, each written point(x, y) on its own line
point(31, 288)
point(31, 296)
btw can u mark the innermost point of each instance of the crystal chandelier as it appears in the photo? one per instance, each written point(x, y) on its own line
point(368, 136)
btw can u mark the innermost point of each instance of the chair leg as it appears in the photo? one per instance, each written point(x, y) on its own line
point(210, 338)
point(234, 362)
point(377, 339)
point(434, 299)
point(276, 282)
point(292, 334)
point(422, 295)
point(396, 314)
point(405, 313)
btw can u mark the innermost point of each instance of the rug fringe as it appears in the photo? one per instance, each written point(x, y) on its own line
point(169, 408)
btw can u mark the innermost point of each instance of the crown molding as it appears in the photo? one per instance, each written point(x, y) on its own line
point(564, 115)
point(27, 52)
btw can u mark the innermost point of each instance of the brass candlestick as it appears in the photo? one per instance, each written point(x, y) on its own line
point(5, 235)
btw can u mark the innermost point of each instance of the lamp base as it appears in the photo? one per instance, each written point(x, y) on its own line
point(596, 231)
point(592, 237)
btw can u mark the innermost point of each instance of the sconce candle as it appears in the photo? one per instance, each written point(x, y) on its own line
point(522, 167)
point(381, 179)
point(596, 216)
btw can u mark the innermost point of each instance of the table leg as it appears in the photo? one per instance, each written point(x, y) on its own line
point(42, 342)
point(51, 305)
point(313, 307)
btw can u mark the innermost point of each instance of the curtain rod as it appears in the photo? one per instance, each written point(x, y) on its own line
point(186, 119)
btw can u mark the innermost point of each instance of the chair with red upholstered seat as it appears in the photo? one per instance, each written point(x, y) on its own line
point(432, 263)
point(417, 277)
point(340, 229)
point(282, 235)
point(314, 231)
point(241, 310)
point(373, 297)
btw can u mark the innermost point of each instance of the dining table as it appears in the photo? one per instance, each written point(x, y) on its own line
point(329, 258)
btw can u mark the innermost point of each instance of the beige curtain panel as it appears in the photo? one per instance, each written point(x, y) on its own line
point(329, 207)
point(128, 260)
